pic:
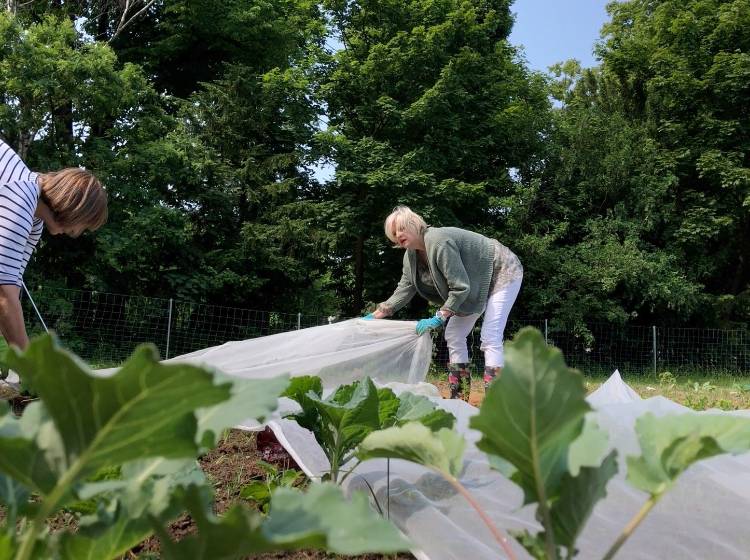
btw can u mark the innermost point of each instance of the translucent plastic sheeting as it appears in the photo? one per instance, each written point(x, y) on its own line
point(704, 516)
point(339, 353)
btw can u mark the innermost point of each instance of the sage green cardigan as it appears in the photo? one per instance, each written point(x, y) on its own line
point(461, 264)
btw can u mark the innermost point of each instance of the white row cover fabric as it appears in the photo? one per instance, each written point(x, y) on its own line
point(339, 353)
point(703, 517)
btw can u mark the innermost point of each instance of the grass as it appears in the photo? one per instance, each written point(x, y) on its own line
point(696, 390)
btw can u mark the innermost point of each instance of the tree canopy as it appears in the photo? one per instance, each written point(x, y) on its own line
point(623, 188)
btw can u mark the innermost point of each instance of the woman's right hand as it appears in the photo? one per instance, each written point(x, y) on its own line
point(375, 315)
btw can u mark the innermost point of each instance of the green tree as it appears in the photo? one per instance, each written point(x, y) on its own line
point(68, 102)
point(183, 43)
point(207, 193)
point(683, 69)
point(430, 106)
point(592, 223)
point(253, 217)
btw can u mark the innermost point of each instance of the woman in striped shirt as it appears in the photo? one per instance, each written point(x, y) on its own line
point(69, 201)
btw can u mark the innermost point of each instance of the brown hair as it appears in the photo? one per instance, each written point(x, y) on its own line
point(75, 196)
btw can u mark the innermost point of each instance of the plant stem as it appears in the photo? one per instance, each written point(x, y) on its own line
point(45, 510)
point(499, 536)
point(549, 536)
point(335, 458)
point(350, 471)
point(631, 526)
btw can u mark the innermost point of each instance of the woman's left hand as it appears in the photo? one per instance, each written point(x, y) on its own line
point(431, 324)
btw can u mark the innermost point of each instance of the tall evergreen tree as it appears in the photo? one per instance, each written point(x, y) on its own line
point(684, 71)
point(430, 106)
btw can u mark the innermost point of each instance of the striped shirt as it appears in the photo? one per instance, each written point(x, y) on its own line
point(20, 230)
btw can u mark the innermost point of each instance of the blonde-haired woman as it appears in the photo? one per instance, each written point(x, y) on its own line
point(70, 201)
point(466, 274)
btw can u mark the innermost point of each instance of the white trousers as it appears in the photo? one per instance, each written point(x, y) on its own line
point(496, 314)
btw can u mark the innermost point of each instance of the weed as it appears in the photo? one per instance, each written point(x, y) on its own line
point(259, 491)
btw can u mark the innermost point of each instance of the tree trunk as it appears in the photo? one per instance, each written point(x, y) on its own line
point(102, 25)
point(359, 273)
point(63, 125)
point(24, 141)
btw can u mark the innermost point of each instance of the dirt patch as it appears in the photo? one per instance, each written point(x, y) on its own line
point(229, 467)
point(477, 391)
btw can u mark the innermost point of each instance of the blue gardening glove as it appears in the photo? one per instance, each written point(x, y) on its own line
point(433, 323)
point(368, 317)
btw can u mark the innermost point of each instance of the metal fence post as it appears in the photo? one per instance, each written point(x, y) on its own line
point(654, 340)
point(169, 329)
point(299, 321)
point(545, 331)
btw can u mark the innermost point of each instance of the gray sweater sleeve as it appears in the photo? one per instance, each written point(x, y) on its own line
point(448, 260)
point(403, 293)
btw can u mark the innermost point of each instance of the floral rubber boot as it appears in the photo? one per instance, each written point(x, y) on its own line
point(459, 379)
point(490, 374)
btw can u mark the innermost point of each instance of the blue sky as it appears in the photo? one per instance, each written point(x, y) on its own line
point(556, 30)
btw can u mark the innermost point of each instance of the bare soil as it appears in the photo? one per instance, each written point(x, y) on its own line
point(230, 466)
point(475, 397)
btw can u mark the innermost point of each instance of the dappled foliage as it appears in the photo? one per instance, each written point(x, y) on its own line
point(623, 188)
point(428, 106)
point(641, 210)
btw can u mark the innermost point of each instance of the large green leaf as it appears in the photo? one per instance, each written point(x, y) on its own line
point(670, 444)
point(251, 398)
point(442, 450)
point(146, 409)
point(320, 518)
point(143, 484)
point(532, 414)
point(416, 408)
point(149, 491)
point(388, 405)
point(299, 387)
point(589, 449)
point(31, 451)
point(349, 526)
point(298, 390)
point(578, 496)
point(353, 410)
point(340, 421)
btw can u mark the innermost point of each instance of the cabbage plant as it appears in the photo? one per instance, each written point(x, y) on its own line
point(342, 420)
point(149, 422)
point(536, 431)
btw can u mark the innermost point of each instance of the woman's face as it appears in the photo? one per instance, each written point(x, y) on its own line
point(407, 239)
point(56, 229)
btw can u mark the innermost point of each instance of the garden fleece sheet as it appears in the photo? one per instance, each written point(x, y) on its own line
point(704, 516)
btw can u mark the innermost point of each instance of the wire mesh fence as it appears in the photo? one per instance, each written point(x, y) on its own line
point(104, 329)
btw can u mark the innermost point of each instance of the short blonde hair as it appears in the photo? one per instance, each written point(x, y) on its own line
point(403, 218)
point(75, 196)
